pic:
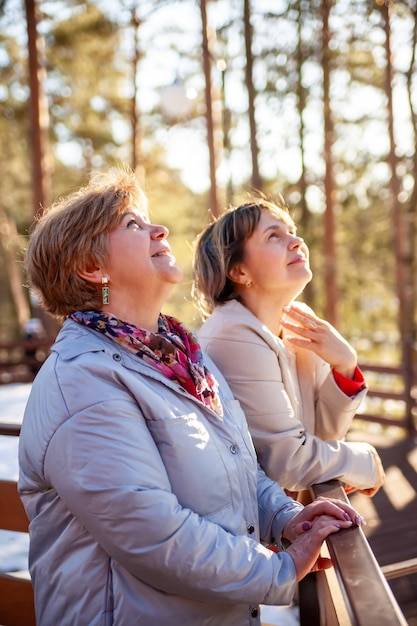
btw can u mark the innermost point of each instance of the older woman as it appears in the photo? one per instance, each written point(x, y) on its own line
point(294, 375)
point(145, 500)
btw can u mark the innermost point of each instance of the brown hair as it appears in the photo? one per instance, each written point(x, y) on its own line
point(73, 234)
point(220, 246)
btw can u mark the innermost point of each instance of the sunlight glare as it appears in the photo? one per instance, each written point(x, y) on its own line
point(398, 489)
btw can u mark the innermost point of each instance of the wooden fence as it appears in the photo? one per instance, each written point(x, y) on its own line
point(20, 360)
point(388, 402)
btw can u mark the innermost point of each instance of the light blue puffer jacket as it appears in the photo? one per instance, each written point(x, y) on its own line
point(143, 502)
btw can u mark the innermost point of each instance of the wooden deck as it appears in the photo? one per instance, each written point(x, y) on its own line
point(392, 514)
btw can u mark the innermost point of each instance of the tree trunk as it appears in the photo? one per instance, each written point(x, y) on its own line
point(10, 244)
point(38, 113)
point(411, 221)
point(305, 219)
point(256, 177)
point(135, 23)
point(214, 206)
point(330, 278)
point(403, 229)
point(226, 117)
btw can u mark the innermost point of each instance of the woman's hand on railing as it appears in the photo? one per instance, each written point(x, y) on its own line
point(308, 529)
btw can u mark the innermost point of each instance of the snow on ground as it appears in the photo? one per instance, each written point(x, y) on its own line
point(14, 546)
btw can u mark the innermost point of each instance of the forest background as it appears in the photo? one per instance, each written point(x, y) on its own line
point(208, 100)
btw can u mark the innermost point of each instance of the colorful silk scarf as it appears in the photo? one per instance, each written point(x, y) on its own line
point(173, 350)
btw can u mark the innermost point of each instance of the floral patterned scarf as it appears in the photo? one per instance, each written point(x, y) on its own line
point(173, 350)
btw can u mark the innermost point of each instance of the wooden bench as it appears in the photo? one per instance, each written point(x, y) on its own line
point(16, 593)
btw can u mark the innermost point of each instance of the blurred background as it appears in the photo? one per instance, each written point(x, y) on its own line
point(209, 100)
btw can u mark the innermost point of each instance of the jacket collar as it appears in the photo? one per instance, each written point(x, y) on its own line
point(237, 310)
point(74, 340)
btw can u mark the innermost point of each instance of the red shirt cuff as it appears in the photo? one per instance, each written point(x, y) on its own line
point(351, 387)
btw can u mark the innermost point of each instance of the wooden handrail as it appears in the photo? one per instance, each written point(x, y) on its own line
point(405, 395)
point(26, 344)
point(367, 596)
point(403, 568)
point(10, 430)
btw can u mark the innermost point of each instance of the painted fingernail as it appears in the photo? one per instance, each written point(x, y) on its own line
point(286, 308)
point(306, 526)
point(337, 525)
point(360, 521)
point(346, 516)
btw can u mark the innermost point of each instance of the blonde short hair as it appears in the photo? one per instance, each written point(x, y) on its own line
point(220, 246)
point(72, 235)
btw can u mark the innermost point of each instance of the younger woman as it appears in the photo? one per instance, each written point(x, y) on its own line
point(295, 376)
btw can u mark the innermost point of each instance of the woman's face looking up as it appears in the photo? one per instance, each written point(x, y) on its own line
point(275, 257)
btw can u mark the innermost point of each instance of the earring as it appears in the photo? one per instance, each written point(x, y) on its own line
point(249, 284)
point(105, 289)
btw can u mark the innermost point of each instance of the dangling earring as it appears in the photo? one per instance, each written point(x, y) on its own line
point(105, 289)
point(249, 284)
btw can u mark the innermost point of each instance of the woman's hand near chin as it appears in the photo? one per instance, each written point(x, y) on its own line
point(312, 333)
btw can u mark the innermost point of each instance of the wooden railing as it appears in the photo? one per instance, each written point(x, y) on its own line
point(388, 388)
point(355, 592)
point(20, 360)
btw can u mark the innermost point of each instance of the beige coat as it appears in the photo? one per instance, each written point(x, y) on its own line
point(297, 414)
